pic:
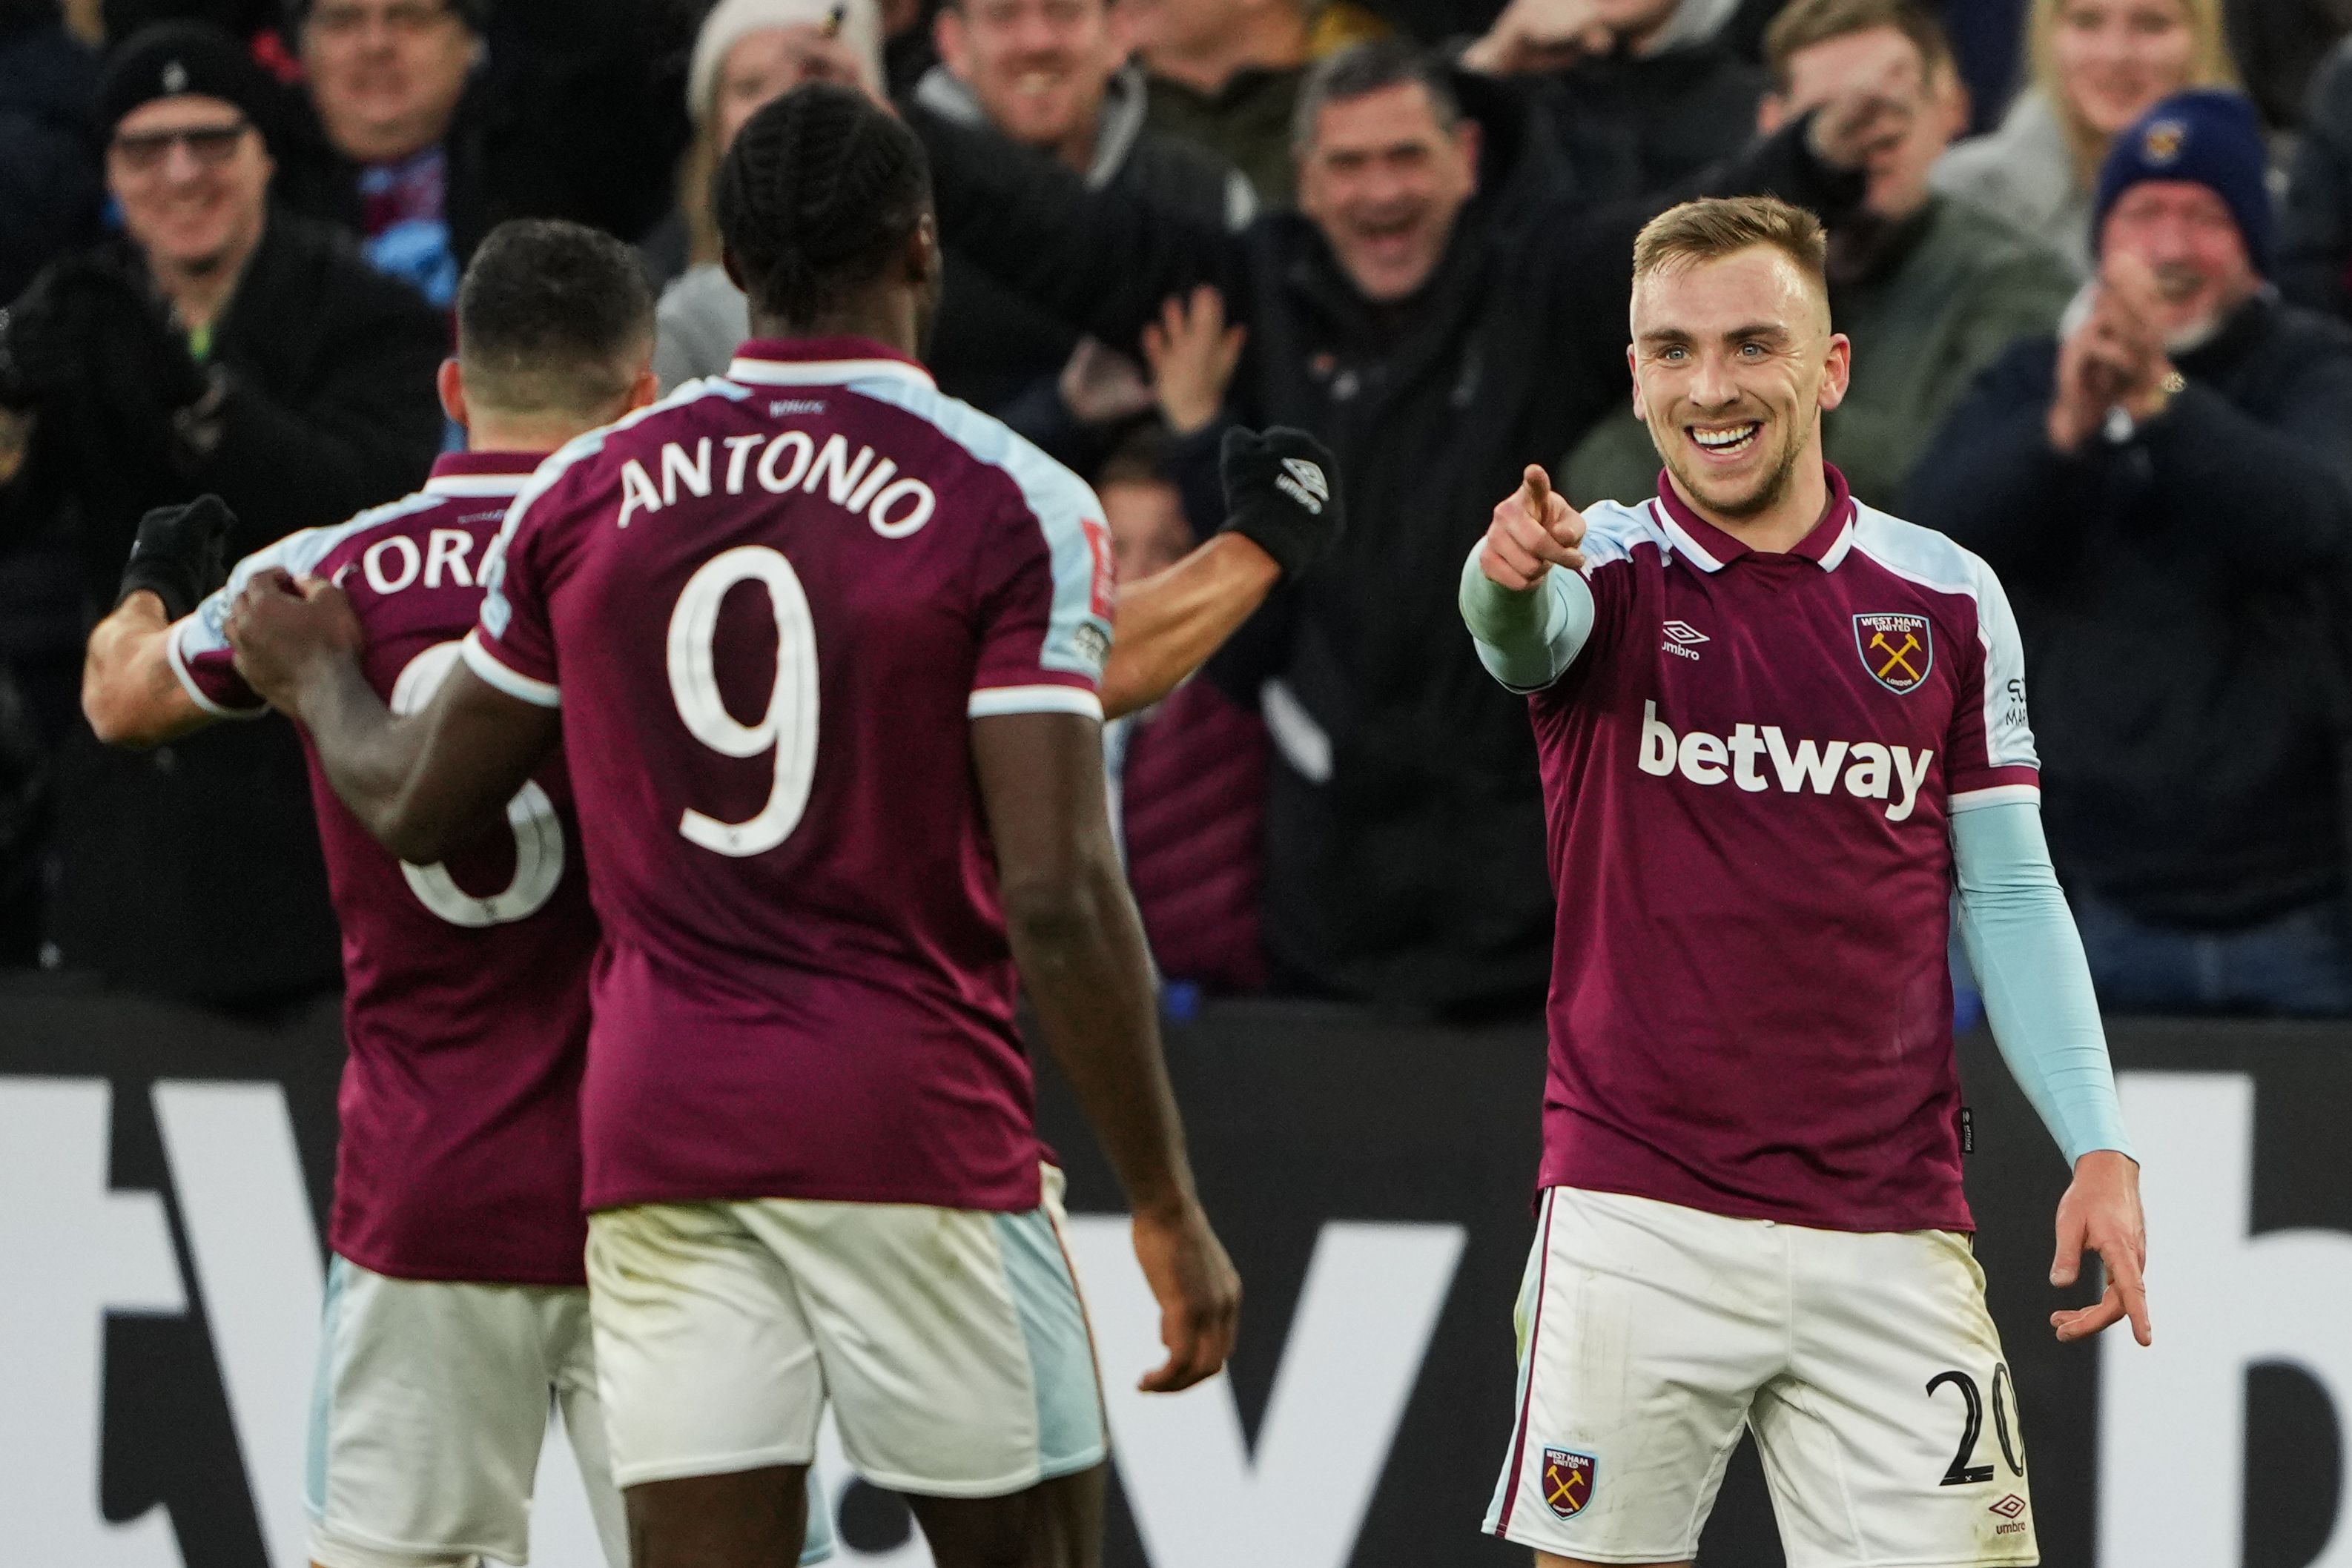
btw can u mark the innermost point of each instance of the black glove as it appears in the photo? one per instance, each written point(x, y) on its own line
point(1282, 494)
point(180, 554)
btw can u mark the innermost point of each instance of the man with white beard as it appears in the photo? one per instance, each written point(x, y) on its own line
point(2166, 488)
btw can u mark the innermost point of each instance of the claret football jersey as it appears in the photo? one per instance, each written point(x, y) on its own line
point(769, 608)
point(466, 999)
point(1749, 772)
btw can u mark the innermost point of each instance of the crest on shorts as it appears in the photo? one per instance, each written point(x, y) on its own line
point(1567, 1482)
point(1897, 650)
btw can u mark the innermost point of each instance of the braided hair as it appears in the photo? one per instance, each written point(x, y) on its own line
point(819, 192)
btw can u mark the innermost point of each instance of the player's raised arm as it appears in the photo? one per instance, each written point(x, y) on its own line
point(1529, 622)
point(1283, 509)
point(130, 692)
point(1079, 945)
point(424, 785)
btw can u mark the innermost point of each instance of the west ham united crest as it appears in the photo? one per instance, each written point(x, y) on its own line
point(1567, 1482)
point(1897, 650)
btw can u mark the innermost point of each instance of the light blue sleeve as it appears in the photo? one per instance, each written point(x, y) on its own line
point(1527, 639)
point(2028, 957)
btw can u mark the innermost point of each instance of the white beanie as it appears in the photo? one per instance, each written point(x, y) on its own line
point(730, 21)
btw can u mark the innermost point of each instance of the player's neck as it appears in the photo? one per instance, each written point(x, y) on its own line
point(1782, 526)
point(887, 318)
point(525, 437)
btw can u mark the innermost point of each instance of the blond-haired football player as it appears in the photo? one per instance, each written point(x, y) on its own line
point(1777, 728)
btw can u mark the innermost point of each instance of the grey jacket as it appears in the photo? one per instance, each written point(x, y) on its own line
point(2025, 172)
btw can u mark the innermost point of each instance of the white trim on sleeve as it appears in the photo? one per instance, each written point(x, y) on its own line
point(1995, 795)
point(988, 702)
point(515, 683)
point(187, 677)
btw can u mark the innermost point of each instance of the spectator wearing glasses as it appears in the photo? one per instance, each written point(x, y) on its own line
point(434, 121)
point(224, 346)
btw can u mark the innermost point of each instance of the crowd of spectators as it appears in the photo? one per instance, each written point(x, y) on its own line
point(2094, 257)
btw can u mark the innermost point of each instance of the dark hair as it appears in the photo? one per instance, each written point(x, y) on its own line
point(1809, 22)
point(551, 318)
point(822, 188)
point(1369, 68)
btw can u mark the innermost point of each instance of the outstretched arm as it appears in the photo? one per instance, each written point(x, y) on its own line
point(1079, 945)
point(2028, 957)
point(1167, 624)
point(1284, 508)
point(1523, 593)
point(424, 785)
point(131, 692)
point(128, 690)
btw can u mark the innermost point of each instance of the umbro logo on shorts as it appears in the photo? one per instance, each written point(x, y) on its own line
point(1568, 1478)
point(1304, 483)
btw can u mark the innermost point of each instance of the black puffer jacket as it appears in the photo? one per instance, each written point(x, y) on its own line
point(1406, 840)
point(193, 870)
point(2182, 597)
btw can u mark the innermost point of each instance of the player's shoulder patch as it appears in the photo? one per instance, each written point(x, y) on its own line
point(1051, 491)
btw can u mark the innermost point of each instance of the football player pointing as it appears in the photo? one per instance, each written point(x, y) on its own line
point(1777, 729)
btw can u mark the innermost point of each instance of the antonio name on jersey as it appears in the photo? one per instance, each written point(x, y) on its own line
point(1872, 771)
point(790, 460)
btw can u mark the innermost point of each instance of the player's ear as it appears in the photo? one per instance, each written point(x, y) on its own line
point(1836, 371)
point(1772, 113)
point(1469, 138)
point(923, 250)
point(1632, 365)
point(450, 381)
point(949, 35)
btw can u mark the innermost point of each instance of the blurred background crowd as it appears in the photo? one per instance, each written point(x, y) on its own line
point(2094, 257)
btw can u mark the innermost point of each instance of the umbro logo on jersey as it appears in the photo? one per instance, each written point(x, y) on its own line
point(1304, 483)
point(1680, 635)
point(1868, 769)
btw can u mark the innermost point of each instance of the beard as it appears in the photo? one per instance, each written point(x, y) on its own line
point(1768, 493)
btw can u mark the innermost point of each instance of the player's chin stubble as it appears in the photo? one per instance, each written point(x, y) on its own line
point(1768, 490)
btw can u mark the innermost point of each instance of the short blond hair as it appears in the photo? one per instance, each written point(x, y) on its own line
point(1717, 226)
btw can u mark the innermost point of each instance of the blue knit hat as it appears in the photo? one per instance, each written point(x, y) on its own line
point(2209, 136)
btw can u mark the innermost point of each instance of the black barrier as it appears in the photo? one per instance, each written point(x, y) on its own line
point(142, 1188)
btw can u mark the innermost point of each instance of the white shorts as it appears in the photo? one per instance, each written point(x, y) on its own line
point(1866, 1364)
point(430, 1404)
point(426, 1416)
point(951, 1342)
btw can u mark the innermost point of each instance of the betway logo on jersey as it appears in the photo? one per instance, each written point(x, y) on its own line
point(1868, 770)
point(893, 508)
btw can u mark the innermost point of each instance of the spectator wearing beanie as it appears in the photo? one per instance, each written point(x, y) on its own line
point(223, 345)
point(2165, 490)
point(426, 124)
point(748, 53)
point(990, 347)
